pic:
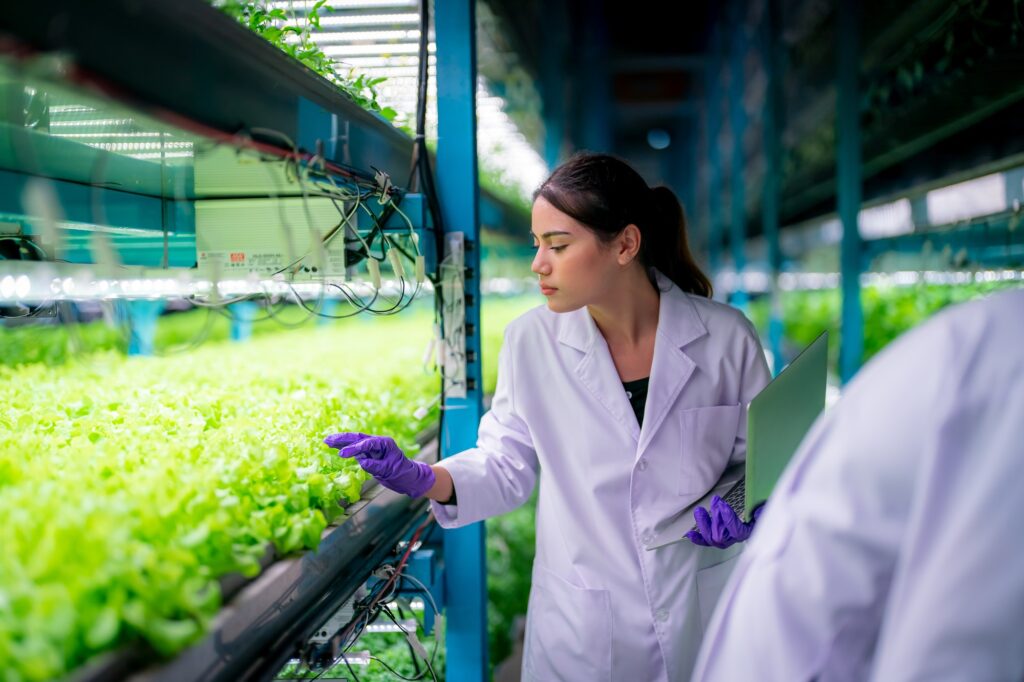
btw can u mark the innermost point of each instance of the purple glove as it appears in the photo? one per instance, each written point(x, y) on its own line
point(381, 457)
point(722, 527)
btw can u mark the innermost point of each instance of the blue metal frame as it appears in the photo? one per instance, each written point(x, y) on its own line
point(80, 203)
point(465, 565)
point(738, 126)
point(141, 315)
point(594, 118)
point(242, 315)
point(993, 241)
point(714, 124)
point(772, 124)
point(553, 85)
point(848, 173)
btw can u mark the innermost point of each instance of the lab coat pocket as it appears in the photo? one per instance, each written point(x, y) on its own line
point(568, 631)
point(711, 579)
point(708, 435)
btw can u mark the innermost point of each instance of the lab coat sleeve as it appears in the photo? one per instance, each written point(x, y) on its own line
point(812, 574)
point(754, 376)
point(888, 550)
point(956, 609)
point(498, 474)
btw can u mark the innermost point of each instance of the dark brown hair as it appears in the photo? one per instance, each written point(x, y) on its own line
point(605, 194)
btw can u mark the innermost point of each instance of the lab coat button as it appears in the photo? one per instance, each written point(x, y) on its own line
point(661, 615)
point(647, 538)
point(642, 464)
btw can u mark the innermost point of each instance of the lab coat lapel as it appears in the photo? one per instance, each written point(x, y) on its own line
point(678, 325)
point(596, 370)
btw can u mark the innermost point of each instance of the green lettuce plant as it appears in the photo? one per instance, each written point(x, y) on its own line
point(294, 36)
point(129, 486)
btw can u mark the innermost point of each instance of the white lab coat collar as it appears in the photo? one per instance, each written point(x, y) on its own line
point(678, 325)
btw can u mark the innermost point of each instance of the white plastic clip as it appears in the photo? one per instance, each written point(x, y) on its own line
point(417, 645)
point(373, 267)
point(383, 184)
point(423, 410)
point(396, 263)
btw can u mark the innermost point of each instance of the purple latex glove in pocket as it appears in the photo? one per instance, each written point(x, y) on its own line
point(381, 457)
point(720, 526)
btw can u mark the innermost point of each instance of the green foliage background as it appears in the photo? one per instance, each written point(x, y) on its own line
point(888, 312)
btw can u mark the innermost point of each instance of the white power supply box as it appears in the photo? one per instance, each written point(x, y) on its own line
point(266, 236)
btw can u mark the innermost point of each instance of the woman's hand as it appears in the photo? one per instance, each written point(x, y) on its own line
point(721, 527)
point(381, 457)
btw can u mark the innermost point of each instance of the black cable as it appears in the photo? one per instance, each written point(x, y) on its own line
point(390, 615)
point(412, 651)
point(319, 313)
point(421, 164)
point(397, 674)
point(200, 338)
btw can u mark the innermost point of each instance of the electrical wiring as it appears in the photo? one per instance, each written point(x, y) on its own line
point(408, 641)
point(395, 307)
point(412, 231)
point(269, 310)
point(355, 678)
point(421, 171)
point(66, 317)
point(340, 227)
point(219, 303)
point(25, 240)
point(318, 242)
point(192, 344)
point(430, 662)
point(347, 188)
point(374, 231)
point(426, 591)
point(302, 177)
point(361, 308)
point(353, 298)
point(313, 186)
point(437, 612)
point(368, 608)
point(395, 672)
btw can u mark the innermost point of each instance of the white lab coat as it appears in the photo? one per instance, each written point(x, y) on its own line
point(602, 607)
point(891, 549)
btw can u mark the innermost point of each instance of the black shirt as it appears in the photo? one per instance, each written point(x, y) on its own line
point(636, 391)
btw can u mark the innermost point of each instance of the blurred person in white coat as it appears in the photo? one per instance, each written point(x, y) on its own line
point(891, 548)
point(626, 395)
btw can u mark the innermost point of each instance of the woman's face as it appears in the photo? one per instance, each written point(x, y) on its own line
point(575, 268)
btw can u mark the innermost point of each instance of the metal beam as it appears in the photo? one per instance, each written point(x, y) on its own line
point(772, 124)
point(849, 178)
point(553, 86)
point(595, 116)
point(214, 73)
point(738, 195)
point(714, 128)
point(465, 569)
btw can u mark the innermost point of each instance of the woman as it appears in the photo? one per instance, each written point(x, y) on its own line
point(626, 394)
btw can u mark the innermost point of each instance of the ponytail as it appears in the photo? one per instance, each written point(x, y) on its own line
point(667, 247)
point(605, 194)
